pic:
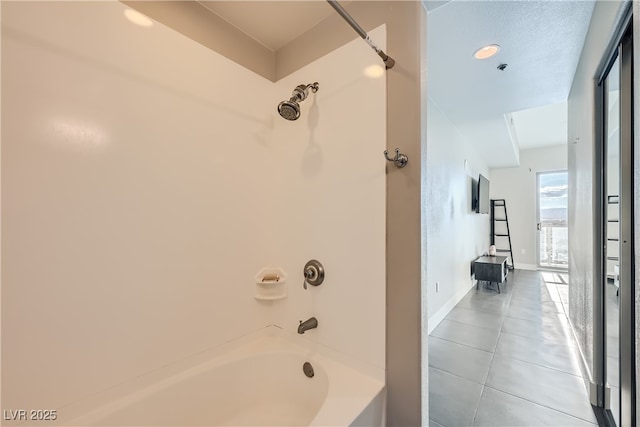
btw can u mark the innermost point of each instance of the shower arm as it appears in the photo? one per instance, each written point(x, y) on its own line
point(300, 92)
point(388, 61)
point(313, 86)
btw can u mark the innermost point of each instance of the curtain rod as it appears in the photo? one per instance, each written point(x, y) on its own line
point(388, 61)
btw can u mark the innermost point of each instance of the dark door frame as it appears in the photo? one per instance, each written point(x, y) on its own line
point(621, 47)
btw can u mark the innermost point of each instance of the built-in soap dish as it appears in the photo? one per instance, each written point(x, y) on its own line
point(271, 284)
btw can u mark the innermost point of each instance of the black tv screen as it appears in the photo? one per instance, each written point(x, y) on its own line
point(484, 202)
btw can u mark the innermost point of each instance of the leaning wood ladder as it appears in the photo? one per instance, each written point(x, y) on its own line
point(501, 203)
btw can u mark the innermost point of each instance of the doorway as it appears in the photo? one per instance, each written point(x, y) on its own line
point(553, 237)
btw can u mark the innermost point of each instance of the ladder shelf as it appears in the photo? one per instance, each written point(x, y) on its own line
point(505, 246)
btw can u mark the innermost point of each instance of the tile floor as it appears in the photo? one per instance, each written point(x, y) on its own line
point(508, 359)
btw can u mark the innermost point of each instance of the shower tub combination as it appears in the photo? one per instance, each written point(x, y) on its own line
point(260, 382)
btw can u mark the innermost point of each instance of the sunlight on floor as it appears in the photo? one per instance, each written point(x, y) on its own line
point(504, 356)
point(554, 277)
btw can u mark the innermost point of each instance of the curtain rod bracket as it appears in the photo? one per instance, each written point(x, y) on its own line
point(388, 61)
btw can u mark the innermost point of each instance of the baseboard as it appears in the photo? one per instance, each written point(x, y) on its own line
point(531, 267)
point(437, 317)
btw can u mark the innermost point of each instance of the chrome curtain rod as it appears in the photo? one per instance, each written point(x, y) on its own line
point(388, 61)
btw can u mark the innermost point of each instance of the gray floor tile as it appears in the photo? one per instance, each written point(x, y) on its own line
point(533, 377)
point(476, 317)
point(534, 312)
point(557, 306)
point(547, 387)
point(554, 292)
point(552, 306)
point(550, 355)
point(537, 284)
point(555, 277)
point(491, 288)
point(523, 274)
point(528, 287)
point(462, 333)
point(533, 295)
point(551, 330)
point(501, 409)
point(526, 283)
point(464, 361)
point(452, 400)
point(564, 294)
point(434, 424)
point(484, 302)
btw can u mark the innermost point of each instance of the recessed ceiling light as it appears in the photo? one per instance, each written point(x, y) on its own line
point(486, 51)
point(138, 18)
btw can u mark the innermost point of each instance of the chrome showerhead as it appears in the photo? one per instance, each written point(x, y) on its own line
point(290, 109)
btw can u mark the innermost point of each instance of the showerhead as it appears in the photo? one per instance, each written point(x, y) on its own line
point(290, 109)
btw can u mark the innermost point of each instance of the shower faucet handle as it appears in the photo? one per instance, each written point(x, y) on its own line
point(310, 273)
point(313, 273)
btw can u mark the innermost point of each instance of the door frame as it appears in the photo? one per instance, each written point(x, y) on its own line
point(621, 47)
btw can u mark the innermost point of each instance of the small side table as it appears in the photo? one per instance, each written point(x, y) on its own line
point(492, 269)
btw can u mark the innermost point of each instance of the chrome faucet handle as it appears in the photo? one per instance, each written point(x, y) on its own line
point(313, 273)
point(309, 274)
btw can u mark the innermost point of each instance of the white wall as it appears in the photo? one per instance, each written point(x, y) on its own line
point(455, 234)
point(147, 179)
point(519, 188)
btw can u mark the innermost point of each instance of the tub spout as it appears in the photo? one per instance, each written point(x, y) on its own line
point(307, 324)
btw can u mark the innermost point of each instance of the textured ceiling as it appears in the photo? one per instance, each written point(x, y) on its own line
point(541, 41)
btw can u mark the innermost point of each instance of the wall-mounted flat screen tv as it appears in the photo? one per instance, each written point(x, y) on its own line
point(483, 204)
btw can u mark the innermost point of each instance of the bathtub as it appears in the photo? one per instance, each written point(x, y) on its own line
point(260, 382)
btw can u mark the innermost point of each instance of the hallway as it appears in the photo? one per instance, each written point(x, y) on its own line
point(508, 359)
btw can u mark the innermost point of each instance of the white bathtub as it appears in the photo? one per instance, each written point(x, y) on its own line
point(258, 383)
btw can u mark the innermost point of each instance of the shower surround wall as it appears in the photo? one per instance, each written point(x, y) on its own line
point(147, 179)
point(332, 181)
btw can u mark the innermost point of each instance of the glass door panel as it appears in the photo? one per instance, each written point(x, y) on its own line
point(612, 237)
point(553, 238)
